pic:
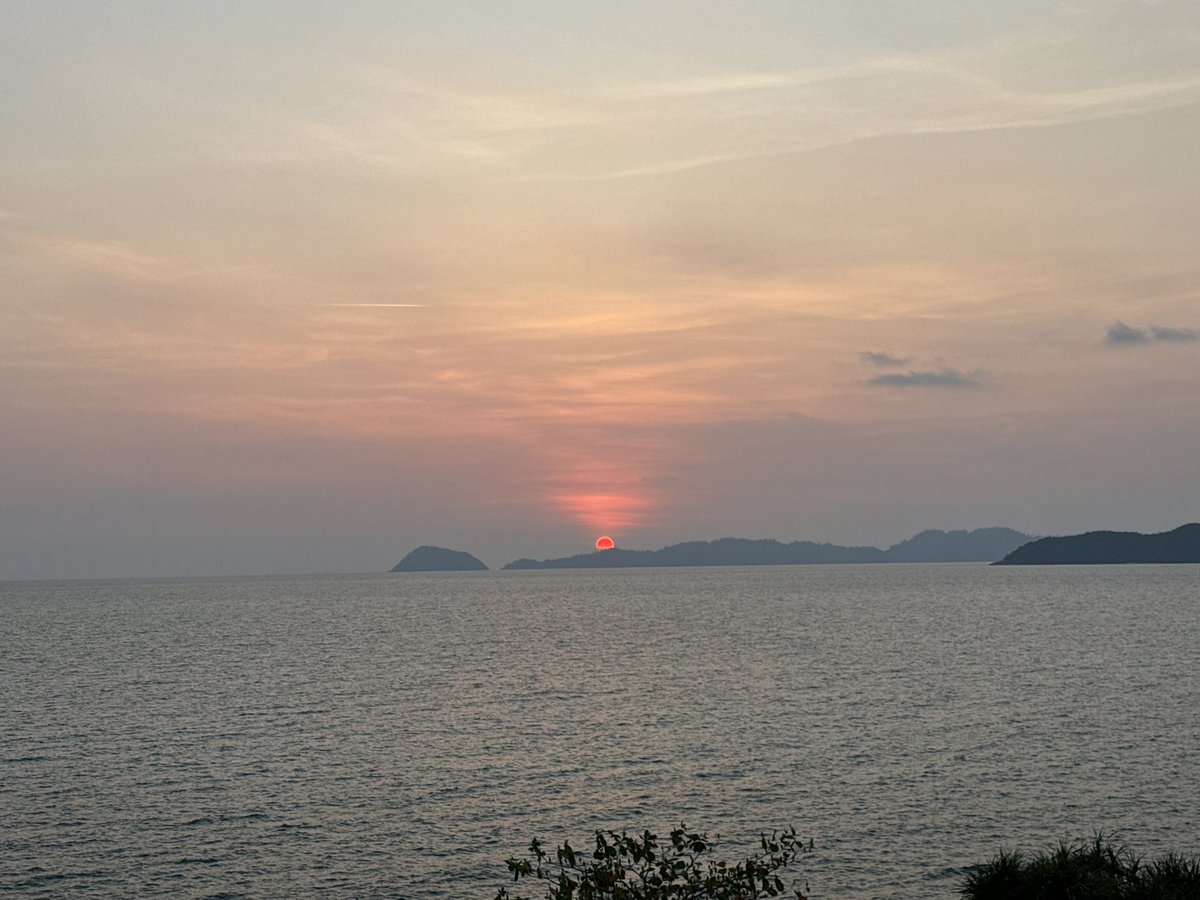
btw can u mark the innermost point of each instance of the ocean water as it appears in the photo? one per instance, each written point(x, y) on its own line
point(400, 736)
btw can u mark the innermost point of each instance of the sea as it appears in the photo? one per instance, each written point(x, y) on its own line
point(403, 735)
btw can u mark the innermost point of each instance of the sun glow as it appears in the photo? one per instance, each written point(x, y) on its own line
point(604, 510)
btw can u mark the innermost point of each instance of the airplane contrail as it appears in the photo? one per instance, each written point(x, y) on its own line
point(382, 305)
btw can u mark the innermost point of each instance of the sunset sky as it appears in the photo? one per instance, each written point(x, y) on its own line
point(295, 287)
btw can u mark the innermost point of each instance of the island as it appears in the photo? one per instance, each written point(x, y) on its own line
point(439, 559)
point(980, 545)
point(1110, 548)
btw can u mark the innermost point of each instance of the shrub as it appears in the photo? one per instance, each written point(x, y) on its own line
point(624, 867)
point(1094, 870)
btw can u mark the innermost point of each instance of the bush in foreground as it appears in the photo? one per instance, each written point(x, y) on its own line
point(622, 867)
point(1094, 870)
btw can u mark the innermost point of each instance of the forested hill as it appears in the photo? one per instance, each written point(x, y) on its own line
point(438, 559)
point(980, 545)
point(1110, 547)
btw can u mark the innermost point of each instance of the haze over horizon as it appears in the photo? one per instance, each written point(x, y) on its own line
point(299, 287)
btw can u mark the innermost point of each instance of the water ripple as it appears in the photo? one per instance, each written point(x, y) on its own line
point(400, 736)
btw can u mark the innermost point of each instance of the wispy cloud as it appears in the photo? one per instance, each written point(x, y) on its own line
point(883, 360)
point(797, 112)
point(1174, 334)
point(645, 127)
point(936, 378)
point(1122, 335)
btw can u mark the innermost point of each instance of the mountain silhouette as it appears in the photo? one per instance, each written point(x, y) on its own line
point(438, 559)
point(1110, 547)
point(981, 545)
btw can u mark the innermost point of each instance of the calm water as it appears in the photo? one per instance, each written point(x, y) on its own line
point(399, 736)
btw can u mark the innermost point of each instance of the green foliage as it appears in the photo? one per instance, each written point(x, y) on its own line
point(624, 867)
point(1094, 870)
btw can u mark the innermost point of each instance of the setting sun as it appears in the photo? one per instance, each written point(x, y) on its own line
point(605, 543)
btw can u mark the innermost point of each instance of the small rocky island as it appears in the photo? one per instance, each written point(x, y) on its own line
point(1110, 548)
point(439, 559)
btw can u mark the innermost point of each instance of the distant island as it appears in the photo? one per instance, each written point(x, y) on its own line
point(980, 545)
point(1109, 548)
point(439, 559)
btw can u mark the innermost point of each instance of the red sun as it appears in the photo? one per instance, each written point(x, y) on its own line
point(605, 543)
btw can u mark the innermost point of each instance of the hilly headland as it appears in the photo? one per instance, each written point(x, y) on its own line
point(980, 545)
point(1181, 545)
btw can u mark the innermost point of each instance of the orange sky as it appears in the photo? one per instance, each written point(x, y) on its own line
point(285, 296)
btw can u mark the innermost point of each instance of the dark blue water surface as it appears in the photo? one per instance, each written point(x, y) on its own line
point(399, 736)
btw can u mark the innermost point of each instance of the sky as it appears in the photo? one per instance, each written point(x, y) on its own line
point(298, 287)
